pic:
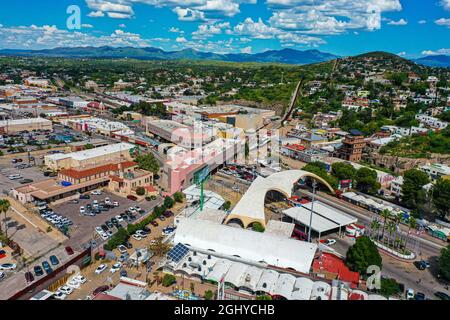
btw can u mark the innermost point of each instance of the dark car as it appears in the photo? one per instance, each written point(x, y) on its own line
point(128, 245)
point(47, 267)
point(146, 229)
point(114, 220)
point(420, 265)
point(419, 296)
point(442, 295)
point(24, 181)
point(131, 197)
point(123, 273)
point(109, 224)
point(100, 289)
point(104, 227)
point(54, 260)
point(89, 207)
point(38, 271)
point(69, 251)
point(168, 213)
point(29, 277)
point(85, 196)
point(154, 223)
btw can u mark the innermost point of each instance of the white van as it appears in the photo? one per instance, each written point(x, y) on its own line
point(15, 176)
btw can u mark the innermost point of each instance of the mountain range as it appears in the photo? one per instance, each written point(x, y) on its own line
point(288, 56)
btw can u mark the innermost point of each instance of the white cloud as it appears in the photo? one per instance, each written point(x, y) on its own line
point(180, 39)
point(209, 30)
point(189, 14)
point(422, 21)
point(122, 25)
point(437, 52)
point(119, 15)
point(401, 22)
point(443, 22)
point(401, 54)
point(46, 37)
point(96, 14)
point(247, 50)
point(175, 30)
point(446, 4)
point(87, 25)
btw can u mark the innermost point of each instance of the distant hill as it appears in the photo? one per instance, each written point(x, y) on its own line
point(435, 61)
point(289, 56)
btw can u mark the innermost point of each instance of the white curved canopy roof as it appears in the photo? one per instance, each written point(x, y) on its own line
point(252, 203)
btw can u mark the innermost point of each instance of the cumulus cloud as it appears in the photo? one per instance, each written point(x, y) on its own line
point(446, 4)
point(443, 22)
point(401, 22)
point(422, 21)
point(87, 25)
point(181, 39)
point(247, 50)
point(444, 51)
point(209, 30)
point(186, 14)
point(96, 14)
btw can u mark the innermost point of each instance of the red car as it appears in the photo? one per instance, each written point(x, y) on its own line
point(154, 223)
point(69, 251)
point(100, 289)
point(131, 197)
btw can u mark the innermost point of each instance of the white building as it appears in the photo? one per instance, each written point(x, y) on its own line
point(436, 170)
point(431, 121)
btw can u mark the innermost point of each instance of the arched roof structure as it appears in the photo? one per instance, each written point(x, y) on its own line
point(250, 208)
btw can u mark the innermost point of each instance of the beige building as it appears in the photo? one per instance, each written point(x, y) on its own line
point(127, 182)
point(118, 152)
point(13, 126)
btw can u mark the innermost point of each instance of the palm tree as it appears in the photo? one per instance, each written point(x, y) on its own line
point(412, 224)
point(385, 214)
point(398, 217)
point(391, 228)
point(4, 207)
point(375, 226)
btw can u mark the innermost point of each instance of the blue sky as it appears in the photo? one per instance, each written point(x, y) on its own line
point(409, 28)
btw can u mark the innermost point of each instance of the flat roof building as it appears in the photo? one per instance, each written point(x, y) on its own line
point(27, 124)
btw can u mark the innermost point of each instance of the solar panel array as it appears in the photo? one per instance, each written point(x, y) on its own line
point(178, 252)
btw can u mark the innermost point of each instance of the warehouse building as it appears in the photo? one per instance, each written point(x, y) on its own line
point(13, 126)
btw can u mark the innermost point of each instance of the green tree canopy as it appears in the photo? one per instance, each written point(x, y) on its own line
point(444, 263)
point(363, 254)
point(413, 193)
point(343, 170)
point(366, 180)
point(148, 162)
point(441, 197)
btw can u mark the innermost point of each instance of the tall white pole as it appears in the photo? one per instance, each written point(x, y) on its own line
point(312, 210)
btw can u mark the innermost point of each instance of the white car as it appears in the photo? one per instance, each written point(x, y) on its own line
point(96, 192)
point(99, 230)
point(330, 242)
point(107, 201)
point(59, 295)
point(104, 236)
point(409, 294)
point(65, 289)
point(82, 210)
point(73, 284)
point(101, 268)
point(8, 266)
point(115, 267)
point(80, 279)
point(141, 233)
point(119, 218)
point(115, 204)
point(122, 248)
point(136, 237)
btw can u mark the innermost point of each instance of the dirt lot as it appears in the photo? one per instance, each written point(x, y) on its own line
point(83, 228)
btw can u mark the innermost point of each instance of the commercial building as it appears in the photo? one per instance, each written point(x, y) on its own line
point(352, 147)
point(13, 126)
point(96, 125)
point(111, 153)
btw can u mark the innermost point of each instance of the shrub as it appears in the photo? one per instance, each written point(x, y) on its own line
point(178, 196)
point(168, 202)
point(227, 205)
point(208, 295)
point(168, 280)
point(140, 191)
point(258, 227)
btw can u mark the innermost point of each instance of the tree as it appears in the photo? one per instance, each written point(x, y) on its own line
point(389, 287)
point(168, 280)
point(168, 202)
point(209, 295)
point(264, 297)
point(362, 254)
point(385, 214)
point(414, 195)
point(159, 247)
point(178, 196)
point(148, 162)
point(444, 263)
point(258, 227)
point(343, 170)
point(4, 208)
point(375, 226)
point(441, 198)
point(88, 146)
point(227, 205)
point(319, 168)
point(140, 191)
point(366, 180)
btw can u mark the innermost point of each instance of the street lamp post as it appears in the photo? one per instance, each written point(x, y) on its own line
point(314, 184)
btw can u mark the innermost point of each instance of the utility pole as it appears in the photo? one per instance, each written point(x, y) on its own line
point(314, 184)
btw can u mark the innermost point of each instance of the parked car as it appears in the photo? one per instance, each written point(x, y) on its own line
point(29, 277)
point(96, 192)
point(115, 204)
point(137, 237)
point(141, 233)
point(66, 290)
point(101, 268)
point(154, 223)
point(128, 245)
point(69, 251)
point(8, 266)
point(409, 294)
point(82, 210)
point(122, 248)
point(419, 296)
point(131, 197)
point(115, 267)
point(85, 197)
point(421, 265)
point(2, 275)
point(38, 271)
point(73, 284)
point(59, 295)
point(24, 181)
point(47, 267)
point(442, 295)
point(54, 260)
point(124, 257)
point(123, 273)
point(100, 289)
point(80, 279)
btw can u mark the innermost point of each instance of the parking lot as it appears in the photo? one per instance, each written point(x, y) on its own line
point(83, 228)
point(7, 168)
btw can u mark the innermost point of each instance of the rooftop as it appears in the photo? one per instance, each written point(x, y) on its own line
point(92, 153)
